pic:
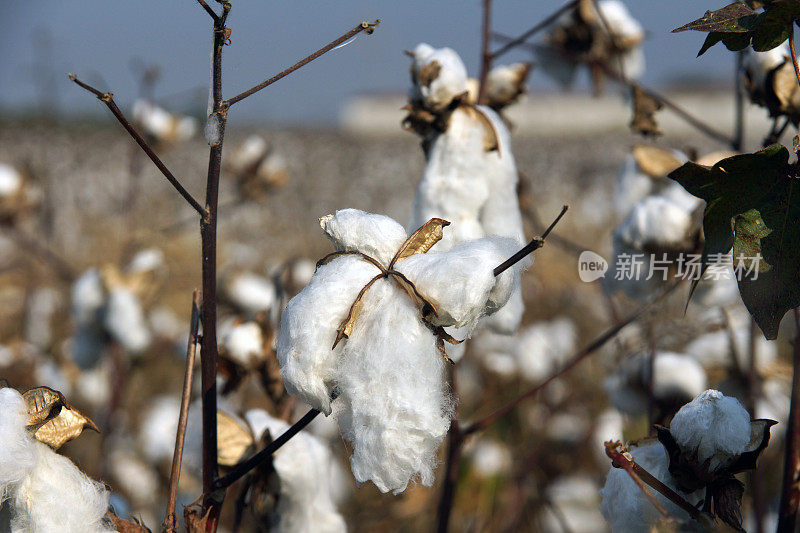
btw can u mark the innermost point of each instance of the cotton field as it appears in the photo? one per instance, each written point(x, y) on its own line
point(449, 312)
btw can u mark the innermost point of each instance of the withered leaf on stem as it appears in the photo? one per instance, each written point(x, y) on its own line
point(125, 526)
point(43, 404)
point(654, 161)
point(421, 240)
point(234, 439)
point(68, 425)
point(644, 110)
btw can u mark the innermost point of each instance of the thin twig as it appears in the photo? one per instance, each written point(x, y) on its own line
point(367, 27)
point(574, 361)
point(486, 55)
point(790, 493)
point(171, 520)
point(620, 459)
point(108, 100)
point(535, 244)
point(513, 43)
point(208, 9)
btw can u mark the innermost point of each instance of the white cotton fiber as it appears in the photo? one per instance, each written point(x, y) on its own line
point(575, 498)
point(353, 230)
point(155, 120)
point(505, 83)
point(18, 456)
point(608, 425)
point(471, 290)
point(88, 296)
point(624, 505)
point(656, 222)
point(244, 343)
point(305, 467)
point(714, 426)
point(309, 324)
point(439, 76)
point(714, 349)
point(147, 260)
point(213, 129)
point(758, 65)
point(251, 293)
point(125, 321)
point(626, 30)
point(633, 185)
point(490, 458)
point(544, 347)
point(10, 180)
point(249, 153)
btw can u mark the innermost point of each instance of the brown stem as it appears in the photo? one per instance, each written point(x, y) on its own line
point(576, 359)
point(620, 459)
point(513, 43)
point(367, 27)
point(208, 9)
point(486, 55)
point(790, 494)
point(212, 501)
point(108, 100)
point(794, 54)
point(50, 258)
point(455, 441)
point(171, 519)
point(535, 244)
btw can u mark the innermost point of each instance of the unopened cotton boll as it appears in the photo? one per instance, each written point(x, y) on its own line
point(544, 347)
point(438, 75)
point(251, 293)
point(624, 505)
point(305, 468)
point(713, 426)
point(125, 321)
point(244, 343)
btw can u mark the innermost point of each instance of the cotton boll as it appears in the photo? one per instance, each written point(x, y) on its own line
point(495, 352)
point(633, 185)
point(11, 181)
point(133, 476)
point(393, 405)
point(251, 293)
point(124, 319)
point(620, 21)
point(490, 458)
point(438, 75)
point(184, 128)
point(714, 349)
point(302, 271)
point(757, 65)
point(677, 375)
point(567, 428)
point(164, 323)
point(506, 83)
point(656, 222)
point(304, 466)
point(93, 386)
point(147, 260)
point(19, 457)
point(626, 508)
point(309, 324)
point(155, 120)
point(544, 347)
point(629, 270)
point(249, 153)
point(376, 236)
point(88, 296)
point(48, 373)
point(245, 344)
point(158, 427)
point(472, 289)
point(714, 426)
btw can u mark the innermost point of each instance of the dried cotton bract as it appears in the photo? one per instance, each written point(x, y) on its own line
point(438, 74)
point(388, 372)
point(45, 491)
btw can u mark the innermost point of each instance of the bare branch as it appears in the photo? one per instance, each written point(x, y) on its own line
point(513, 43)
point(171, 521)
point(486, 55)
point(366, 27)
point(208, 9)
point(108, 100)
point(535, 244)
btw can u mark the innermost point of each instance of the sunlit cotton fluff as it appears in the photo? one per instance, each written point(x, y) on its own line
point(45, 491)
point(392, 405)
point(626, 29)
point(250, 292)
point(713, 426)
point(506, 83)
point(757, 65)
point(161, 124)
point(244, 343)
point(439, 76)
point(10, 181)
point(305, 467)
point(124, 319)
point(662, 221)
point(544, 347)
point(624, 505)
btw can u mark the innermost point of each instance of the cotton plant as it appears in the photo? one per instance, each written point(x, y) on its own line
point(44, 491)
point(470, 177)
point(770, 81)
point(162, 127)
point(581, 36)
point(257, 168)
point(368, 330)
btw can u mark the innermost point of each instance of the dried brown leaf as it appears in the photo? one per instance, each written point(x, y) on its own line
point(68, 425)
point(125, 526)
point(346, 327)
point(644, 110)
point(43, 404)
point(429, 72)
point(234, 439)
point(654, 161)
point(421, 240)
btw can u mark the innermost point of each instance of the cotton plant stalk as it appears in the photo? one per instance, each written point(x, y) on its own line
point(368, 330)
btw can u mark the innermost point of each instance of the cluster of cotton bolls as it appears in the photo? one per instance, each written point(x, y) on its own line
point(161, 126)
point(393, 408)
point(581, 36)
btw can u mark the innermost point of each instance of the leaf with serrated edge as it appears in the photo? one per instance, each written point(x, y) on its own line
point(233, 439)
point(346, 327)
point(43, 404)
point(654, 161)
point(421, 240)
point(68, 425)
point(733, 18)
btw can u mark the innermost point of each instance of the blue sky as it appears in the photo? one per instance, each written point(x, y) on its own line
point(100, 40)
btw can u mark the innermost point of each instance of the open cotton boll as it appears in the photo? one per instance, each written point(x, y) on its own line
point(309, 324)
point(620, 21)
point(624, 505)
point(714, 349)
point(304, 466)
point(714, 426)
point(633, 185)
point(757, 65)
point(157, 428)
point(244, 343)
point(353, 230)
point(506, 83)
point(608, 425)
point(10, 180)
point(249, 153)
point(544, 347)
point(125, 321)
point(490, 458)
point(393, 405)
point(133, 476)
point(495, 352)
point(88, 296)
point(93, 385)
point(657, 222)
point(439, 76)
point(251, 293)
point(472, 289)
point(147, 260)
point(155, 120)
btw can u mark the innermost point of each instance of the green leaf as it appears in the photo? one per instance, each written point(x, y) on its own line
point(733, 18)
point(753, 206)
point(773, 26)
